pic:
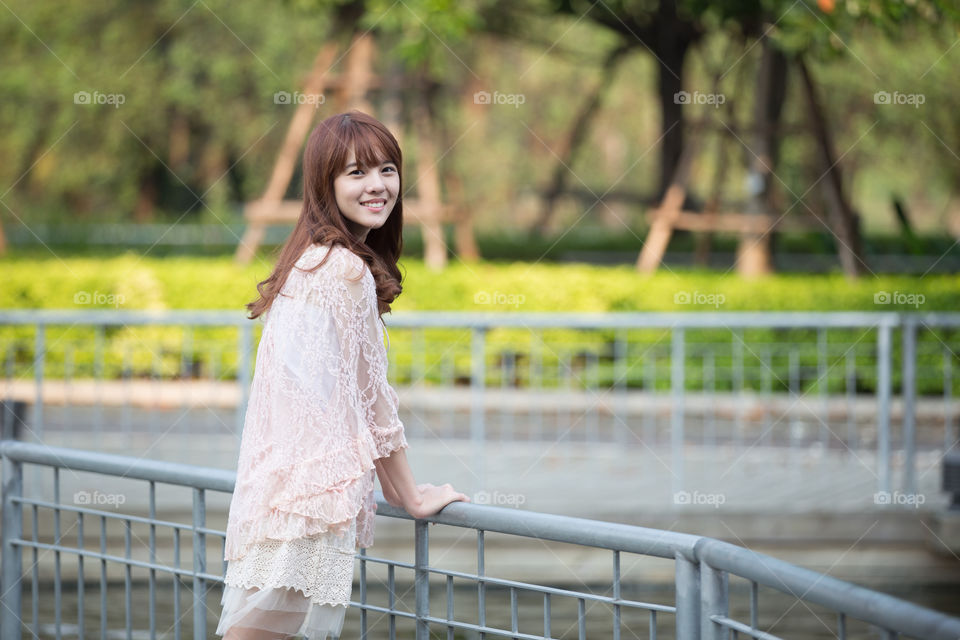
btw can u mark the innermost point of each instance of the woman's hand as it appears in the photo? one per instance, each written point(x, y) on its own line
point(433, 499)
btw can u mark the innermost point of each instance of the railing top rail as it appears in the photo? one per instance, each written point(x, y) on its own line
point(548, 526)
point(857, 602)
point(117, 465)
point(523, 319)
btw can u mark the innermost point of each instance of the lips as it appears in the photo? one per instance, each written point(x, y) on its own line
point(377, 202)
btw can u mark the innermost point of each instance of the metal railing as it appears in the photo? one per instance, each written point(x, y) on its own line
point(860, 381)
point(703, 569)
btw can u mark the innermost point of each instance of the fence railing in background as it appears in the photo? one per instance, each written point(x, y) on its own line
point(883, 382)
point(700, 608)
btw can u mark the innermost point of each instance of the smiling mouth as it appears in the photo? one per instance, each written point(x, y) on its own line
point(379, 203)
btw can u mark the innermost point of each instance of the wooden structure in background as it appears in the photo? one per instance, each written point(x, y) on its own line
point(756, 225)
point(348, 91)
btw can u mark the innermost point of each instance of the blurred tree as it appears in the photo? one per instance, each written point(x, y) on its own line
point(115, 109)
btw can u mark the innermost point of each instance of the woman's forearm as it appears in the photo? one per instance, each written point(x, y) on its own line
point(395, 471)
point(389, 493)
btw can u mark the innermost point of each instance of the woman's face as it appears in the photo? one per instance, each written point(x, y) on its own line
point(366, 195)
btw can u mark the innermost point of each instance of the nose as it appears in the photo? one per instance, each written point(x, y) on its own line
point(375, 182)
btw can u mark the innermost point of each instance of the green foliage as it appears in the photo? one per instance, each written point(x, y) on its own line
point(431, 355)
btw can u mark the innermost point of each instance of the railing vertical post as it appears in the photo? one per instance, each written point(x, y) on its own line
point(620, 385)
point(687, 598)
point(884, 357)
point(10, 585)
point(422, 577)
point(478, 381)
point(39, 355)
point(244, 348)
point(199, 565)
point(909, 402)
point(714, 601)
point(676, 412)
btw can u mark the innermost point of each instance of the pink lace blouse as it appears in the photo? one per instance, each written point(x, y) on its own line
point(320, 411)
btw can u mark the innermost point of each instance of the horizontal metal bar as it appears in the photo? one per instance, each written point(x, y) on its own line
point(526, 586)
point(118, 516)
point(116, 465)
point(385, 561)
point(547, 526)
point(653, 320)
point(470, 319)
point(744, 628)
point(112, 318)
point(482, 628)
point(874, 607)
point(88, 553)
point(393, 612)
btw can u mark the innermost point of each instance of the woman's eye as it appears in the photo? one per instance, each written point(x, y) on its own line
point(390, 169)
point(354, 171)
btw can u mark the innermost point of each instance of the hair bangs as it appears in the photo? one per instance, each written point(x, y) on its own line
point(371, 148)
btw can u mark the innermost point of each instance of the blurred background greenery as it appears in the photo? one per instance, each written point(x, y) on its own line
point(181, 128)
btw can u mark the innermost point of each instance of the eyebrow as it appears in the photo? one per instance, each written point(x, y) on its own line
point(353, 164)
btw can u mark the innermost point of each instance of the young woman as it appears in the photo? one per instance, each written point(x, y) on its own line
point(322, 418)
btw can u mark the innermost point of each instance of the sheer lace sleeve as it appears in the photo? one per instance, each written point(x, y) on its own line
point(360, 333)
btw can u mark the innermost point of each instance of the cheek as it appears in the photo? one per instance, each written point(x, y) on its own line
point(342, 190)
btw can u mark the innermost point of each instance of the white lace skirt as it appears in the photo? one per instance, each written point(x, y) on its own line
point(291, 588)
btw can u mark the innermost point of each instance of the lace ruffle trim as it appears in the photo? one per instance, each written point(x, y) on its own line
point(322, 572)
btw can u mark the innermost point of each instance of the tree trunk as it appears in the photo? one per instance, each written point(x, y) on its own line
point(844, 220)
point(355, 82)
point(147, 195)
point(428, 184)
point(671, 50)
point(570, 148)
point(289, 153)
point(178, 145)
point(753, 252)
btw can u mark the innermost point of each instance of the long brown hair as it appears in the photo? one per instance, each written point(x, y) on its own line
point(321, 222)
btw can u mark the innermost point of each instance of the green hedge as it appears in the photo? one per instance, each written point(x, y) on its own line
point(135, 282)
